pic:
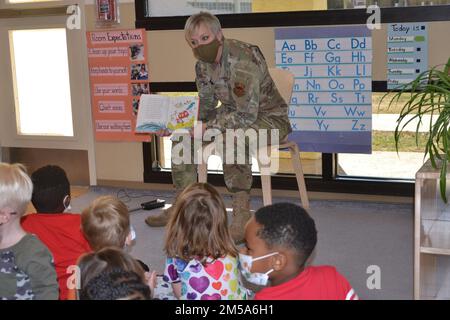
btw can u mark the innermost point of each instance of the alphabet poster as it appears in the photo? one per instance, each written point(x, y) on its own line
point(331, 105)
point(118, 73)
point(407, 52)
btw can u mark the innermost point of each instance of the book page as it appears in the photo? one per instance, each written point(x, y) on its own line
point(183, 112)
point(152, 113)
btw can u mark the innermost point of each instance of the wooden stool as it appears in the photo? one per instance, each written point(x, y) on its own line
point(266, 182)
point(266, 177)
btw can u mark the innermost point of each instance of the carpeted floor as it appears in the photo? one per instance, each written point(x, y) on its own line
point(352, 235)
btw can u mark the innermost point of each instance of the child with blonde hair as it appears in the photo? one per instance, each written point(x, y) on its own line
point(26, 265)
point(106, 223)
point(202, 260)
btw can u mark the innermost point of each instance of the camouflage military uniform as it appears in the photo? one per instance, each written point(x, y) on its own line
point(249, 99)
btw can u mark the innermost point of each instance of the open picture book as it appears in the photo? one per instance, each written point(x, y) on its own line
point(157, 112)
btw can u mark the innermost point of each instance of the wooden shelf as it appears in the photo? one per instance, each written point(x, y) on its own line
point(428, 172)
point(435, 280)
point(432, 236)
point(431, 250)
point(436, 237)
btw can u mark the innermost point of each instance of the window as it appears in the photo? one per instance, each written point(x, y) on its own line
point(41, 82)
point(356, 4)
point(160, 8)
point(28, 1)
point(338, 171)
point(163, 8)
point(385, 162)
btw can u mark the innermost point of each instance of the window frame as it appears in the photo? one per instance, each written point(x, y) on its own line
point(292, 18)
point(20, 18)
point(329, 181)
point(36, 8)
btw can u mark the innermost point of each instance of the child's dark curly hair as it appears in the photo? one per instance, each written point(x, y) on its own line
point(50, 186)
point(116, 284)
point(289, 226)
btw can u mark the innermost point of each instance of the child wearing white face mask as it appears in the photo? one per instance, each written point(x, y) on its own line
point(58, 230)
point(106, 223)
point(279, 240)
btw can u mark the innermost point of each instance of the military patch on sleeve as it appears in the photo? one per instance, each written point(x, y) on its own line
point(239, 89)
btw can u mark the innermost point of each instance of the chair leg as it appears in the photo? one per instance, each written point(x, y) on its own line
point(266, 182)
point(202, 167)
point(202, 172)
point(295, 155)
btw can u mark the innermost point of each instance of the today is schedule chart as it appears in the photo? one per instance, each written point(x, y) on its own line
point(407, 52)
point(331, 105)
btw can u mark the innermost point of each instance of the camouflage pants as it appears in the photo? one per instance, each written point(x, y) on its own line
point(237, 176)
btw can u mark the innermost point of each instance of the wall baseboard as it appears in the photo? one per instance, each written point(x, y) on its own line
point(275, 193)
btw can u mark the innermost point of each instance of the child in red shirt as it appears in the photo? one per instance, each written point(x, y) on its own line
point(279, 240)
point(60, 232)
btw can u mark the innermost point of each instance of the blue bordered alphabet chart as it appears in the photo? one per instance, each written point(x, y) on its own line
point(331, 105)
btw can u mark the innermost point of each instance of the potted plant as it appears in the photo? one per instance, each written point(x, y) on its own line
point(428, 94)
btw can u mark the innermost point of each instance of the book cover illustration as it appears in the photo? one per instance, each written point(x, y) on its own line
point(157, 112)
point(184, 114)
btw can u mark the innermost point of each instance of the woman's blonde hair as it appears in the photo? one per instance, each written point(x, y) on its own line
point(107, 259)
point(106, 222)
point(206, 18)
point(16, 187)
point(198, 227)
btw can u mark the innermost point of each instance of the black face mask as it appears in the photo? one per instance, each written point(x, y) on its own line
point(207, 52)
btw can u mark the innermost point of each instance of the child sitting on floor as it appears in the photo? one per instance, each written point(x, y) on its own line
point(106, 223)
point(116, 285)
point(202, 260)
point(26, 265)
point(59, 231)
point(111, 274)
point(279, 240)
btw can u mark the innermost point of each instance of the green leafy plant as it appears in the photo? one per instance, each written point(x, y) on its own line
point(428, 94)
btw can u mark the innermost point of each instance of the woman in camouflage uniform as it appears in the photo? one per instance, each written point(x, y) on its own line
point(235, 74)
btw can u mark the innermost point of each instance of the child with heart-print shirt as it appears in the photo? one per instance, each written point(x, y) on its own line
point(202, 260)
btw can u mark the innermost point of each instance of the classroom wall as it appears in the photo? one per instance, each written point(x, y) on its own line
point(170, 59)
point(117, 160)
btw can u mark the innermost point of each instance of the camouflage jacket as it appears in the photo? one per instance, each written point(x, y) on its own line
point(27, 271)
point(242, 83)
